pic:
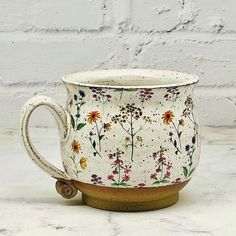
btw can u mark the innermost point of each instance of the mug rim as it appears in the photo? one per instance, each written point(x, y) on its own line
point(73, 79)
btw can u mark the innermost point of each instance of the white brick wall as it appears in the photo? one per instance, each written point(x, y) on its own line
point(42, 40)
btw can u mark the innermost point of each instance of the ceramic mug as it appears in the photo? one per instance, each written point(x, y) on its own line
point(129, 138)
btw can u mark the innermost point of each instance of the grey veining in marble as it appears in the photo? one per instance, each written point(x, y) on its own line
point(29, 204)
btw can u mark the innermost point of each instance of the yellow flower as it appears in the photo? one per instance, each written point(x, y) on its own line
point(168, 117)
point(83, 163)
point(75, 146)
point(107, 127)
point(127, 139)
point(139, 139)
point(93, 116)
point(181, 122)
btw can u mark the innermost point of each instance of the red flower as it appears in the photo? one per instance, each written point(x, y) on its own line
point(110, 177)
point(168, 166)
point(118, 162)
point(141, 185)
point(167, 175)
point(127, 169)
point(177, 181)
point(114, 172)
point(161, 159)
point(126, 178)
point(110, 156)
point(158, 170)
point(153, 176)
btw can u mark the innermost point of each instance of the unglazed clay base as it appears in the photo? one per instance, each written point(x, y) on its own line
point(122, 199)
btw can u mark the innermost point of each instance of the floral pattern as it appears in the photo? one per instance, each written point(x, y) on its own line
point(132, 138)
point(126, 118)
point(163, 167)
point(120, 172)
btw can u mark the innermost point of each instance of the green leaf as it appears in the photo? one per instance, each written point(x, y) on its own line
point(164, 181)
point(75, 97)
point(120, 184)
point(80, 126)
point(94, 144)
point(101, 137)
point(81, 93)
point(190, 173)
point(114, 184)
point(72, 121)
point(175, 143)
point(124, 184)
point(185, 171)
point(156, 182)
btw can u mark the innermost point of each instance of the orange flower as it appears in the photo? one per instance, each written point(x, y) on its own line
point(93, 116)
point(181, 122)
point(168, 117)
point(83, 163)
point(75, 146)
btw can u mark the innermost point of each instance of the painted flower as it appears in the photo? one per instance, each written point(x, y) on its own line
point(127, 139)
point(118, 162)
point(83, 163)
point(139, 139)
point(161, 159)
point(75, 146)
point(167, 175)
point(126, 178)
point(110, 177)
point(147, 119)
point(107, 127)
point(158, 170)
point(93, 116)
point(168, 166)
point(168, 117)
point(181, 122)
point(176, 181)
point(153, 176)
point(127, 169)
point(141, 185)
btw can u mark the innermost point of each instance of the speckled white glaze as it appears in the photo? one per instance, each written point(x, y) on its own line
point(124, 128)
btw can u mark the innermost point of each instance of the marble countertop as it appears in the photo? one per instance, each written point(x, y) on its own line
point(30, 205)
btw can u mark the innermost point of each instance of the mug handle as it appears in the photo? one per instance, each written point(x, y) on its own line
point(61, 117)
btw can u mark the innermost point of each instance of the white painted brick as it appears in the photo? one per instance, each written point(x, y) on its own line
point(70, 15)
point(211, 59)
point(44, 60)
point(188, 15)
point(15, 15)
point(47, 59)
point(152, 15)
point(215, 16)
point(25, 15)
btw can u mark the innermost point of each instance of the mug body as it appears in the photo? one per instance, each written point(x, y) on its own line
point(129, 138)
point(131, 129)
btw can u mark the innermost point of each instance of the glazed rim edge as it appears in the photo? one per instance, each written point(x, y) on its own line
point(74, 78)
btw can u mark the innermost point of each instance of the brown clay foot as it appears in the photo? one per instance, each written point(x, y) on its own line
point(66, 188)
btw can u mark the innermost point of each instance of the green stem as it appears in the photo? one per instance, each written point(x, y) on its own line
point(177, 130)
point(98, 133)
point(132, 136)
